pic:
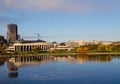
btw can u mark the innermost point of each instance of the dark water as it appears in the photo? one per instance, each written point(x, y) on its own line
point(60, 70)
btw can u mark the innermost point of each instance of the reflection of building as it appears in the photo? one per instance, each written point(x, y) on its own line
point(69, 59)
point(1, 62)
point(26, 46)
point(12, 69)
point(14, 63)
point(11, 33)
point(30, 60)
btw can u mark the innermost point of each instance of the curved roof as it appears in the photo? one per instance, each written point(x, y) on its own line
point(30, 41)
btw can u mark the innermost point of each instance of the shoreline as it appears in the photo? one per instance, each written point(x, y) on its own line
point(102, 53)
point(60, 54)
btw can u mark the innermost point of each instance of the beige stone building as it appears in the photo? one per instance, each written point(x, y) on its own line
point(27, 46)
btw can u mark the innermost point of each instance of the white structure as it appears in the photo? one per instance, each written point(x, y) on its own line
point(10, 49)
point(60, 47)
point(84, 42)
point(72, 43)
point(27, 46)
point(106, 42)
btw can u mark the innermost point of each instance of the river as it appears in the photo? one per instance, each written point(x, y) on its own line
point(81, 69)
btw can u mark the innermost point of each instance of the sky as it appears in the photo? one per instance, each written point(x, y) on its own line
point(62, 20)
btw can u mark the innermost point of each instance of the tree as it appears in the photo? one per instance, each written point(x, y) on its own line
point(82, 49)
point(104, 48)
point(37, 49)
point(62, 44)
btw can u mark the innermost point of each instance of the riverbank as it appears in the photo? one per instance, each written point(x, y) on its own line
point(50, 54)
point(63, 54)
point(103, 53)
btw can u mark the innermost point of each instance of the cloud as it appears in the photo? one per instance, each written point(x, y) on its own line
point(60, 5)
point(17, 7)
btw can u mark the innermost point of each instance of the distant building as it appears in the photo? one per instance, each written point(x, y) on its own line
point(116, 43)
point(18, 37)
point(12, 33)
point(60, 47)
point(66, 48)
point(2, 41)
point(106, 42)
point(28, 46)
point(92, 42)
point(72, 43)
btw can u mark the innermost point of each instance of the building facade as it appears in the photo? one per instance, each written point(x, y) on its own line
point(72, 43)
point(1, 40)
point(12, 33)
point(28, 46)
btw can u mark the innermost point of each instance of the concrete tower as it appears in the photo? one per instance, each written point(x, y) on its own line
point(12, 33)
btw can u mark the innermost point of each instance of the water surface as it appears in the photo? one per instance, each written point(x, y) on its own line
point(60, 70)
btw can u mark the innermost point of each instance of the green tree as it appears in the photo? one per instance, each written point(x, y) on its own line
point(104, 48)
point(62, 44)
point(37, 49)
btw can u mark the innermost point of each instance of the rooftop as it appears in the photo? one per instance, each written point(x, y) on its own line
point(29, 41)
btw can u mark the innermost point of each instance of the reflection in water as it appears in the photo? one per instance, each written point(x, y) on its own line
point(81, 59)
point(15, 62)
point(95, 59)
point(12, 68)
point(81, 69)
point(12, 74)
point(2, 60)
point(30, 60)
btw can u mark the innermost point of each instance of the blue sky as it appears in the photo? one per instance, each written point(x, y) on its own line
point(62, 20)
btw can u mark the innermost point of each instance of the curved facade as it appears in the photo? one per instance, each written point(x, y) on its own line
point(27, 47)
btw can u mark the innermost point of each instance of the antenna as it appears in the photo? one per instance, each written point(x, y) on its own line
point(38, 36)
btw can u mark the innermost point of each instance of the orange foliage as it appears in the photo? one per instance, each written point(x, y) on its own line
point(82, 49)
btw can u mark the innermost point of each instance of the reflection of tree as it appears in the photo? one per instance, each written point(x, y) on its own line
point(85, 58)
point(104, 58)
point(2, 60)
